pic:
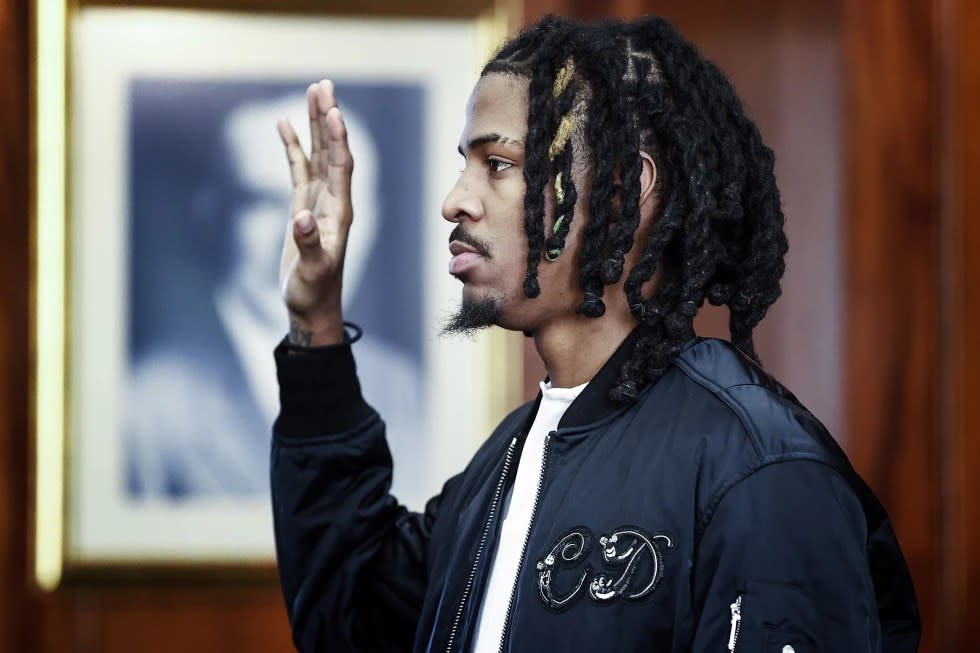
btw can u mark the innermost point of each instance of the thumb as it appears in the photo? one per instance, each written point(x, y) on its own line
point(307, 236)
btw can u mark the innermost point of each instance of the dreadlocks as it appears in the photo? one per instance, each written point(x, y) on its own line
point(719, 230)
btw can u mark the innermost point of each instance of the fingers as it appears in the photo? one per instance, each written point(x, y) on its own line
point(299, 167)
point(340, 163)
point(307, 236)
point(330, 158)
point(319, 100)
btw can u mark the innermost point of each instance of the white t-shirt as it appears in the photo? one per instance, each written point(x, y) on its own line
point(517, 514)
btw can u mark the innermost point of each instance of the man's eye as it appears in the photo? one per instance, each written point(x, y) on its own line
point(497, 165)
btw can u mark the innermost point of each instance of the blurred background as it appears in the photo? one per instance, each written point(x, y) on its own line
point(871, 109)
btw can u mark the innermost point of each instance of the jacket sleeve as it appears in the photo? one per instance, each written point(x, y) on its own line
point(352, 562)
point(785, 548)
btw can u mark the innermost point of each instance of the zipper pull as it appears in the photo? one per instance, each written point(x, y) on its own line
point(736, 619)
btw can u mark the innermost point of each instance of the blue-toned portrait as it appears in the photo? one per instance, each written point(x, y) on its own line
point(208, 210)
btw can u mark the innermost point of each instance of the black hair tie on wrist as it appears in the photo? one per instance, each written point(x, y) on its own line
point(358, 332)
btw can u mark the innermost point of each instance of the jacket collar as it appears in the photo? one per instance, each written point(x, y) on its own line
point(594, 404)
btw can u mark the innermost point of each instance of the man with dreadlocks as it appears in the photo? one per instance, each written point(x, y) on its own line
point(662, 493)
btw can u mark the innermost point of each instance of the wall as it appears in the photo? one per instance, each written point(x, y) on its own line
point(15, 612)
point(894, 276)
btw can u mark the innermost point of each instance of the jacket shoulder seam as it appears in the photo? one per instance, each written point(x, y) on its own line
point(734, 406)
point(715, 501)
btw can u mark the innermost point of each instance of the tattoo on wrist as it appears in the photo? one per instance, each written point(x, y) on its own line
point(298, 335)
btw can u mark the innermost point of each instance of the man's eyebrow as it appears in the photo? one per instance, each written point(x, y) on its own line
point(492, 137)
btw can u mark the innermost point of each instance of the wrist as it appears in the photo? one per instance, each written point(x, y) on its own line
point(319, 331)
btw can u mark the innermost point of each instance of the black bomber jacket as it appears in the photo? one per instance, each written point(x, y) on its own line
point(715, 514)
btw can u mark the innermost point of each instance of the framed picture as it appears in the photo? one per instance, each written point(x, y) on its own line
point(162, 201)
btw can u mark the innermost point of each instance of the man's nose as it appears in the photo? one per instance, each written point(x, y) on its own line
point(462, 203)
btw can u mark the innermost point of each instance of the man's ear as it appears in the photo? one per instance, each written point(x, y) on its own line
point(648, 176)
point(648, 180)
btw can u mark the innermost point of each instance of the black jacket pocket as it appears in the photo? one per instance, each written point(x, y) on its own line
point(777, 617)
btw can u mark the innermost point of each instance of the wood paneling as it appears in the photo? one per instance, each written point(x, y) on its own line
point(250, 621)
point(414, 9)
point(17, 622)
point(893, 280)
point(960, 149)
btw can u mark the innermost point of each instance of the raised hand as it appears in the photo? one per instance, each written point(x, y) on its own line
point(316, 241)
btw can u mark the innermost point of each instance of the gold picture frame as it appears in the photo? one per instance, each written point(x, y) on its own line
point(58, 384)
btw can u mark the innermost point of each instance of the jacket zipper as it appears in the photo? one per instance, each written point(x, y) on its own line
point(483, 541)
point(736, 623)
point(527, 538)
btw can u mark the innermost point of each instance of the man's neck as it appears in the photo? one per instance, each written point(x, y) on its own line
point(573, 351)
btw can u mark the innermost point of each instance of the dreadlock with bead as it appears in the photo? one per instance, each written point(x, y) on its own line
point(623, 88)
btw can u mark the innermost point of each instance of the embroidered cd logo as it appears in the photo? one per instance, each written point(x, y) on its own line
point(629, 548)
point(569, 549)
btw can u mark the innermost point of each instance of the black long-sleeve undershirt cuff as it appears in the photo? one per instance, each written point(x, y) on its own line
point(319, 393)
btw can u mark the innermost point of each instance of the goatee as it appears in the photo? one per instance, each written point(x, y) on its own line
point(471, 317)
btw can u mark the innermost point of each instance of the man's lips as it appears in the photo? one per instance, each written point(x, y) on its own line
point(464, 257)
point(456, 248)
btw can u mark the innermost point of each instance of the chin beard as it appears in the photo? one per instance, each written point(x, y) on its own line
point(471, 317)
